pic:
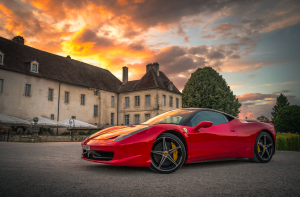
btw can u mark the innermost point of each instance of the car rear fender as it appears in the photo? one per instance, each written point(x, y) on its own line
point(270, 133)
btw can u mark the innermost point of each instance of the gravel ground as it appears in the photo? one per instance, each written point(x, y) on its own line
point(55, 169)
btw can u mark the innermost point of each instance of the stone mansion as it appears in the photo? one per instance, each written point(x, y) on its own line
point(38, 83)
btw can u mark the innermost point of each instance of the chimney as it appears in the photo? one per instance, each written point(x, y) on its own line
point(125, 75)
point(18, 39)
point(148, 66)
point(69, 57)
point(155, 67)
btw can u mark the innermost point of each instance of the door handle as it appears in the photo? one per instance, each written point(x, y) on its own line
point(232, 130)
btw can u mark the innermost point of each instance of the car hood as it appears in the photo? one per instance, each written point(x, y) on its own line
point(113, 132)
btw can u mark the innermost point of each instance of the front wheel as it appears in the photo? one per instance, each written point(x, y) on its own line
point(263, 148)
point(168, 154)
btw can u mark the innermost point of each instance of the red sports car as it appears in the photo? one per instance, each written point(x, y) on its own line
point(167, 141)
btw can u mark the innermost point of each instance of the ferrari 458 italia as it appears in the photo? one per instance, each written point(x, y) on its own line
point(167, 141)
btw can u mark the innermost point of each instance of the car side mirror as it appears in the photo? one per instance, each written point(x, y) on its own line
point(203, 124)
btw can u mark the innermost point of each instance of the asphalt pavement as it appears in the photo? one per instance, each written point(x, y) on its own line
point(55, 169)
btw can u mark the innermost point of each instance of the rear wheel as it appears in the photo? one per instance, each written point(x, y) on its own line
point(167, 154)
point(263, 148)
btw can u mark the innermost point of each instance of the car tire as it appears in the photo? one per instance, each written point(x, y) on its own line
point(263, 148)
point(168, 154)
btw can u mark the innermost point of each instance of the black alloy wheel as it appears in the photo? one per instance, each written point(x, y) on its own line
point(263, 148)
point(168, 154)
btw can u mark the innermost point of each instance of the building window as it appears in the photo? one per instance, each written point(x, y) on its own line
point(1, 58)
point(95, 111)
point(112, 117)
point(82, 99)
point(34, 67)
point(1, 85)
point(177, 103)
point(164, 100)
point(73, 117)
point(126, 101)
point(50, 95)
point(66, 97)
point(126, 120)
point(137, 101)
point(52, 116)
point(112, 101)
point(171, 101)
point(147, 117)
point(136, 119)
point(27, 90)
point(147, 99)
point(96, 93)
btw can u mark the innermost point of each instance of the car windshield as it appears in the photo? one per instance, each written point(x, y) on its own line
point(171, 117)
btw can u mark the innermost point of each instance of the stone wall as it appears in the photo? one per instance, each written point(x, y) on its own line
point(43, 138)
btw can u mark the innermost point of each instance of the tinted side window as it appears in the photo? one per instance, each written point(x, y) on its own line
point(215, 117)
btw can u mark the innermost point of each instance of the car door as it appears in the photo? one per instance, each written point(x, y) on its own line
point(215, 142)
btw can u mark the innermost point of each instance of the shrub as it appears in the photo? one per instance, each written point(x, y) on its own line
point(281, 143)
point(65, 133)
point(92, 132)
point(288, 142)
point(288, 119)
point(82, 133)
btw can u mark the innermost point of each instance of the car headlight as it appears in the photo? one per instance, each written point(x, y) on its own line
point(121, 137)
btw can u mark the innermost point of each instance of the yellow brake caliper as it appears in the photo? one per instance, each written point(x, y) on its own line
point(258, 148)
point(175, 153)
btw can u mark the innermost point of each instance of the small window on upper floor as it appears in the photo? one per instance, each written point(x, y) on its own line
point(1, 58)
point(1, 85)
point(34, 67)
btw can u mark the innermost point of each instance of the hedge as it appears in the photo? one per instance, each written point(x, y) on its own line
point(288, 142)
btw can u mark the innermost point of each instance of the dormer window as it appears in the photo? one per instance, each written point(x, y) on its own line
point(1, 58)
point(170, 85)
point(34, 67)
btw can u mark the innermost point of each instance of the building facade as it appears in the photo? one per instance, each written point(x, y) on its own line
point(37, 83)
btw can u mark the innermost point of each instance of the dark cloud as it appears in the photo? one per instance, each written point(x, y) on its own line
point(209, 36)
point(186, 39)
point(201, 50)
point(88, 35)
point(215, 55)
point(180, 31)
point(138, 46)
point(235, 56)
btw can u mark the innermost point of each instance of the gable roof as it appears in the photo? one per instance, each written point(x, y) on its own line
point(56, 67)
point(148, 81)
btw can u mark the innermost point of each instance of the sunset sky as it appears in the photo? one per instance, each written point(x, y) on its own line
point(255, 45)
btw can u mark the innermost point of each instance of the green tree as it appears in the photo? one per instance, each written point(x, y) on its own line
point(288, 119)
point(263, 119)
point(206, 88)
point(281, 102)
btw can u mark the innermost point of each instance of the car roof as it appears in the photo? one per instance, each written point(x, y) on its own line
point(207, 109)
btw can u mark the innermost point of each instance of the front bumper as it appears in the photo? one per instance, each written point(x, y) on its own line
point(123, 153)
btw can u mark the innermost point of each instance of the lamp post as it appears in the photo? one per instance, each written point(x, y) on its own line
point(71, 123)
point(35, 128)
